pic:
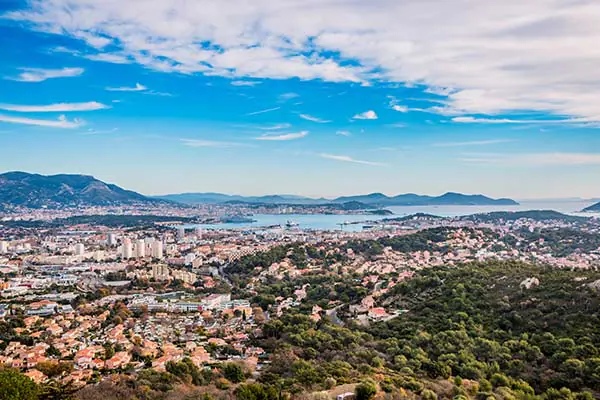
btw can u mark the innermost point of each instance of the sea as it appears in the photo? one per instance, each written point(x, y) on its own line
point(354, 222)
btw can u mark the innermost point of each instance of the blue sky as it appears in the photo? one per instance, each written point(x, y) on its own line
point(281, 97)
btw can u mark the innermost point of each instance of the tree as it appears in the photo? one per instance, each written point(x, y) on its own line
point(234, 372)
point(16, 386)
point(366, 390)
point(256, 391)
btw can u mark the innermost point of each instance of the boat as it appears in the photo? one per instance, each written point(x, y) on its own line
point(291, 224)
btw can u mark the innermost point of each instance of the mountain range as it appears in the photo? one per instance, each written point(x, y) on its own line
point(54, 191)
point(373, 199)
point(36, 191)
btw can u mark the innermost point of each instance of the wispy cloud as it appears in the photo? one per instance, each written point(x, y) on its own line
point(286, 136)
point(343, 133)
point(137, 88)
point(534, 159)
point(313, 119)
point(400, 108)
point(58, 107)
point(366, 115)
point(245, 83)
point(263, 111)
point(114, 58)
point(61, 122)
point(99, 132)
point(210, 143)
point(349, 159)
point(397, 125)
point(473, 143)
point(473, 120)
point(275, 127)
point(394, 105)
point(42, 74)
point(288, 96)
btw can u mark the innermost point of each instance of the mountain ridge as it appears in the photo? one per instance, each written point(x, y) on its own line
point(593, 208)
point(373, 199)
point(25, 189)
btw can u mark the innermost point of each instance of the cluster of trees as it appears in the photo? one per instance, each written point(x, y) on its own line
point(475, 328)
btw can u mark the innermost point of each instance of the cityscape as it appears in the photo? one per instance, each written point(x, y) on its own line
point(299, 200)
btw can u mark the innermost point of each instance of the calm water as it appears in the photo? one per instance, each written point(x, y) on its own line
point(332, 222)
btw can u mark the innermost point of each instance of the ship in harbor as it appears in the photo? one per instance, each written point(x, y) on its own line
point(291, 224)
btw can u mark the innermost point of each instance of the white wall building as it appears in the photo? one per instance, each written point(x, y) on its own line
point(157, 249)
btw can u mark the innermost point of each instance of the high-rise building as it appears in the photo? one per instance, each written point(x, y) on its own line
point(127, 248)
point(111, 239)
point(140, 249)
point(79, 249)
point(181, 233)
point(3, 247)
point(157, 249)
point(199, 233)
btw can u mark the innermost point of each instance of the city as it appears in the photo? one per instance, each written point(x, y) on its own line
point(299, 200)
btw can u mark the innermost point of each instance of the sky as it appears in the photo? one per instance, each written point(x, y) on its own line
point(307, 97)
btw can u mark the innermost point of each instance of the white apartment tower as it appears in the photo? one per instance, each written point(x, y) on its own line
point(111, 239)
point(79, 249)
point(157, 249)
point(127, 248)
point(140, 249)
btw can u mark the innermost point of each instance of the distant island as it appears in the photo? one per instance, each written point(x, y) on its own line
point(373, 199)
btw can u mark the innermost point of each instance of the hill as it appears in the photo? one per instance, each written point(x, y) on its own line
point(55, 191)
point(536, 215)
point(593, 208)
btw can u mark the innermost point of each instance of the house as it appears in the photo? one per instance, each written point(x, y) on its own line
point(36, 376)
point(377, 313)
point(119, 360)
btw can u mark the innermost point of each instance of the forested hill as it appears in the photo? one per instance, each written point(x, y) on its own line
point(484, 331)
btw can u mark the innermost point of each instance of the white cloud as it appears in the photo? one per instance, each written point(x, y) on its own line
point(245, 83)
point(472, 120)
point(535, 159)
point(115, 58)
point(275, 127)
point(137, 88)
point(343, 133)
point(286, 136)
point(348, 159)
point(399, 108)
point(486, 57)
point(99, 132)
point(58, 107)
point(288, 96)
point(314, 119)
point(210, 143)
point(61, 122)
point(264, 111)
point(42, 74)
point(366, 115)
point(473, 143)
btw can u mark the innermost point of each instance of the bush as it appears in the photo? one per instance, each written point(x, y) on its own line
point(234, 372)
point(366, 390)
